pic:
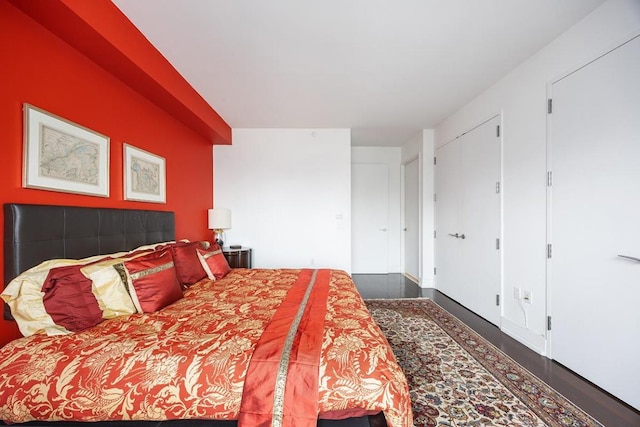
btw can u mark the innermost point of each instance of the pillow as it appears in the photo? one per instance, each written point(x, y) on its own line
point(158, 246)
point(25, 295)
point(187, 264)
point(110, 289)
point(152, 281)
point(213, 262)
point(69, 300)
point(110, 283)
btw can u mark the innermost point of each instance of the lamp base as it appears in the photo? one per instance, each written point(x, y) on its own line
point(218, 236)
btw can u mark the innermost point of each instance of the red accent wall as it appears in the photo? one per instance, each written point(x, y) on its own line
point(39, 68)
point(100, 31)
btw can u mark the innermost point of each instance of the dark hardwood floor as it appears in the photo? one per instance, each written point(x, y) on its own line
point(605, 408)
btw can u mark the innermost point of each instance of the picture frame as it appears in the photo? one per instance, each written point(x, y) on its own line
point(144, 175)
point(60, 155)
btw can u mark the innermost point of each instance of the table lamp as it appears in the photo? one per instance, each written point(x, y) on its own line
point(219, 220)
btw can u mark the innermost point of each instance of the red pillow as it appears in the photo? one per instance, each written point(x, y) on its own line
point(214, 262)
point(187, 263)
point(152, 281)
point(69, 299)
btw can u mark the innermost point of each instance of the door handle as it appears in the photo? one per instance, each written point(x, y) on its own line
point(458, 236)
point(631, 258)
point(383, 229)
point(404, 229)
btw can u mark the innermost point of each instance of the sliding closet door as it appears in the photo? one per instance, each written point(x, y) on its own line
point(595, 217)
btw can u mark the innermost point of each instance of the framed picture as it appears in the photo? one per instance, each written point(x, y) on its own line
point(60, 155)
point(144, 175)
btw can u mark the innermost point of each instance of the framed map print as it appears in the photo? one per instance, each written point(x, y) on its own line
point(144, 175)
point(60, 155)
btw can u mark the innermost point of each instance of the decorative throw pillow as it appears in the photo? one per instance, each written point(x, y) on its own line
point(213, 262)
point(110, 288)
point(154, 246)
point(25, 296)
point(152, 281)
point(69, 300)
point(187, 264)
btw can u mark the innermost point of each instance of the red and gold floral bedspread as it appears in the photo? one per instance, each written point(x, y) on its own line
point(190, 359)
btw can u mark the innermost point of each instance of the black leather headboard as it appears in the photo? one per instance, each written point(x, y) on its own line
point(36, 233)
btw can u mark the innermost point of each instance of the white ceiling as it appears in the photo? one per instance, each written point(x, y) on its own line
point(384, 68)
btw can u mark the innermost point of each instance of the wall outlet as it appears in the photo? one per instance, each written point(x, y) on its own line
point(517, 293)
point(527, 297)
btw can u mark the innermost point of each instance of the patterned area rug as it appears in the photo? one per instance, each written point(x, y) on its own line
point(457, 378)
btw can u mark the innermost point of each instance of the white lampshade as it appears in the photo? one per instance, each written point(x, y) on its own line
point(219, 219)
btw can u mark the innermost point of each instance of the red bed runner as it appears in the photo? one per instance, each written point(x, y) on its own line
point(281, 388)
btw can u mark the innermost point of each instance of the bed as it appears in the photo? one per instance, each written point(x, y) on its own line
point(252, 347)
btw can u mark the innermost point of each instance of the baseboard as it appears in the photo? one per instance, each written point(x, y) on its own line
point(537, 343)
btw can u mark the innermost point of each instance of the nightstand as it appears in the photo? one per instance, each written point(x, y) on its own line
point(238, 258)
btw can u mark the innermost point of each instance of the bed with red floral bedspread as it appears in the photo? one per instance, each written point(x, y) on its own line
point(265, 347)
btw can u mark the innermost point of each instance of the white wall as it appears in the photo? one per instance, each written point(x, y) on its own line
point(422, 146)
point(290, 196)
point(521, 96)
point(389, 156)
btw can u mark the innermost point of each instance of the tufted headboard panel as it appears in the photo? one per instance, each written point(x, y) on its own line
point(35, 233)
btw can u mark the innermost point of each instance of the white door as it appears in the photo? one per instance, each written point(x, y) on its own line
point(594, 217)
point(369, 218)
point(481, 219)
point(468, 220)
point(411, 229)
point(447, 207)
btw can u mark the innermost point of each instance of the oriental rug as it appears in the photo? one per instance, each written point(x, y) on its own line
point(457, 378)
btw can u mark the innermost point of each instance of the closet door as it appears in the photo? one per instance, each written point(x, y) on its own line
point(447, 206)
point(481, 219)
point(468, 220)
point(594, 218)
